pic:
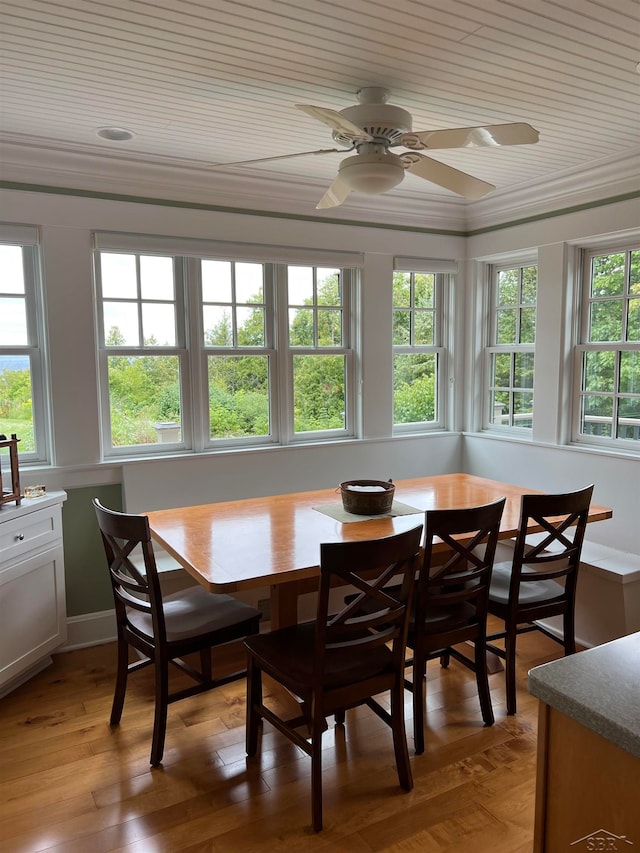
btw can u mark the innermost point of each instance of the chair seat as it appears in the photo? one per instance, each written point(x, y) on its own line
point(529, 593)
point(187, 622)
point(542, 575)
point(294, 649)
point(447, 619)
point(194, 612)
point(340, 660)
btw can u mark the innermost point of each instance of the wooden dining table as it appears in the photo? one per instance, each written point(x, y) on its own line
point(274, 541)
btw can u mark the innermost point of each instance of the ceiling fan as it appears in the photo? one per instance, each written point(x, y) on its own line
point(373, 127)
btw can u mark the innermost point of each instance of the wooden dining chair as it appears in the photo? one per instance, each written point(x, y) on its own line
point(163, 629)
point(451, 601)
point(540, 581)
point(342, 660)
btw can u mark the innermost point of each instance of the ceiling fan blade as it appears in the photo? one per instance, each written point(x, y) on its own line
point(335, 195)
point(279, 157)
point(518, 133)
point(337, 122)
point(445, 176)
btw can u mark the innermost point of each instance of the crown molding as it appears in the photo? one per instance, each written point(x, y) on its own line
point(577, 187)
point(81, 167)
point(31, 161)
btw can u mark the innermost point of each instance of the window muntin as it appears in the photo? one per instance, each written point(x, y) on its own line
point(233, 305)
point(417, 350)
point(609, 349)
point(22, 361)
point(315, 307)
point(138, 300)
point(234, 387)
point(511, 353)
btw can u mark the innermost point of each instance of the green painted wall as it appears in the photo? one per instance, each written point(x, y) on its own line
point(87, 581)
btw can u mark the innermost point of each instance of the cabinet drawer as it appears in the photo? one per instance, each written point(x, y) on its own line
point(38, 529)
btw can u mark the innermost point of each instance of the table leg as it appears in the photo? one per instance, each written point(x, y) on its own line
point(284, 605)
point(284, 612)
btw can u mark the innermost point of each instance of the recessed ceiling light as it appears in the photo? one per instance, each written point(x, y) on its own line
point(115, 134)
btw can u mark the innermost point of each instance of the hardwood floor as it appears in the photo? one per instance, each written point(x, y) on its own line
point(71, 784)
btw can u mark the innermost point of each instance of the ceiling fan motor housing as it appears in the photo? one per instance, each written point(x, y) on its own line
point(382, 121)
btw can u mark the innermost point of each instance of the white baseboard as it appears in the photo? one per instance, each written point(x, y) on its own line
point(556, 630)
point(90, 629)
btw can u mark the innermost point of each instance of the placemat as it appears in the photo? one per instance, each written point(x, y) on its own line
point(338, 512)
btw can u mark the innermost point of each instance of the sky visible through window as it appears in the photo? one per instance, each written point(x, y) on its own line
point(13, 323)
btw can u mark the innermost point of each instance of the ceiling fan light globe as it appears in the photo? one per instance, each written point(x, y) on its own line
point(371, 174)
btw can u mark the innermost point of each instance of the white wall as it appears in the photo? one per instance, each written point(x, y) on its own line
point(158, 484)
point(564, 469)
point(67, 223)
point(549, 462)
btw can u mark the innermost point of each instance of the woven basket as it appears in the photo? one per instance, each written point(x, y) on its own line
point(367, 503)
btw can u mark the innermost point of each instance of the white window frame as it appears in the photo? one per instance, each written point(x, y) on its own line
point(193, 354)
point(28, 238)
point(199, 355)
point(491, 347)
point(179, 351)
point(584, 346)
point(443, 273)
point(288, 435)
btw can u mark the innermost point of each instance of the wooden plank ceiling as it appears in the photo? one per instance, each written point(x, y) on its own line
point(210, 82)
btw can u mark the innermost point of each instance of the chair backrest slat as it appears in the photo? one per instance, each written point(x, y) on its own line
point(122, 534)
point(563, 518)
point(376, 616)
point(464, 576)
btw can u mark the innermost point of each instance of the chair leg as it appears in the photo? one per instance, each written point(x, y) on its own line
point(398, 729)
point(482, 680)
point(317, 728)
point(510, 671)
point(419, 700)
point(162, 704)
point(254, 700)
point(121, 681)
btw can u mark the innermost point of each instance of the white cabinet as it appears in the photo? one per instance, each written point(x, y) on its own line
point(33, 619)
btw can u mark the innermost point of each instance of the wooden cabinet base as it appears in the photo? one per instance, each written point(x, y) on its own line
point(587, 789)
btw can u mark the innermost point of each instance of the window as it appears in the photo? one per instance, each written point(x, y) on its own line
point(238, 359)
point(321, 359)
point(609, 350)
point(22, 386)
point(205, 352)
point(143, 357)
point(510, 355)
point(417, 350)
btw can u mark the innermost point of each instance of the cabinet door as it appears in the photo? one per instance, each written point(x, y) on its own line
point(32, 611)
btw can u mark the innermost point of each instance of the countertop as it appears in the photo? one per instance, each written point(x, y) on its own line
point(13, 510)
point(599, 688)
